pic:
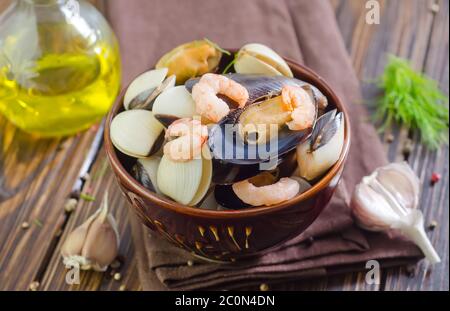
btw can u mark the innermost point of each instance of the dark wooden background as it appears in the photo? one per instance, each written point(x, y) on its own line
point(38, 176)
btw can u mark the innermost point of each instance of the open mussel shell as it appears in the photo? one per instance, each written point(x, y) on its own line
point(145, 171)
point(226, 197)
point(136, 133)
point(227, 144)
point(260, 87)
point(191, 59)
point(185, 182)
point(142, 87)
point(228, 173)
point(255, 58)
point(173, 104)
point(322, 150)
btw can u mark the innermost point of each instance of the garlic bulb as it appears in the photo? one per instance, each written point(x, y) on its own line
point(388, 199)
point(95, 243)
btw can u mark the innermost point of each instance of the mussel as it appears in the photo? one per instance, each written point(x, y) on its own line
point(322, 150)
point(185, 182)
point(226, 197)
point(136, 133)
point(173, 104)
point(226, 173)
point(260, 87)
point(256, 58)
point(191, 59)
point(228, 144)
point(224, 194)
point(145, 88)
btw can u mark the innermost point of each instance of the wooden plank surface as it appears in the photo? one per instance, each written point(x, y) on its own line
point(409, 28)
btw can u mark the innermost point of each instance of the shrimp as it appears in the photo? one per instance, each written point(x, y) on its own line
point(205, 97)
point(191, 137)
point(301, 105)
point(286, 188)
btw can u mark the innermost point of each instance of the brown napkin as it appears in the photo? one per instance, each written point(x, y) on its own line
point(305, 31)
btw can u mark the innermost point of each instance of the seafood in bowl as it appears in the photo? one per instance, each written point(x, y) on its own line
point(212, 154)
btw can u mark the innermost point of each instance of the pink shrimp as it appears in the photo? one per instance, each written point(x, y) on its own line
point(301, 105)
point(286, 188)
point(205, 93)
point(191, 137)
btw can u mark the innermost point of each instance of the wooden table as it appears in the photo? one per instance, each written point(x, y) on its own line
point(37, 176)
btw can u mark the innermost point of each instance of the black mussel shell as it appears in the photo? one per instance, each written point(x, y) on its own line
point(228, 173)
point(259, 86)
point(224, 194)
point(227, 145)
point(226, 197)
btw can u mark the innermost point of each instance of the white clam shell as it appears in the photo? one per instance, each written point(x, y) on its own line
point(135, 132)
point(248, 64)
point(265, 55)
point(185, 182)
point(147, 80)
point(313, 164)
point(176, 101)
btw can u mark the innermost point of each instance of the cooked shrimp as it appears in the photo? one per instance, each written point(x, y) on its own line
point(297, 100)
point(205, 93)
point(191, 137)
point(283, 190)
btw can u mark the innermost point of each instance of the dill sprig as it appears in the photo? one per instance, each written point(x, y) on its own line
point(228, 67)
point(412, 99)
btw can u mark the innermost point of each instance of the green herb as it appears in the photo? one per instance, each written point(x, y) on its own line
point(217, 46)
point(412, 99)
point(38, 223)
point(230, 64)
point(87, 197)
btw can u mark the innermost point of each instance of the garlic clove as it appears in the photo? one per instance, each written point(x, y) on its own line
point(75, 240)
point(94, 244)
point(371, 210)
point(401, 182)
point(102, 240)
point(388, 199)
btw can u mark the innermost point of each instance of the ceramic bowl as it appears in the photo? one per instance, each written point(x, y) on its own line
point(226, 236)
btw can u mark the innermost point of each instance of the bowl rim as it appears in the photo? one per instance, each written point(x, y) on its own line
point(173, 206)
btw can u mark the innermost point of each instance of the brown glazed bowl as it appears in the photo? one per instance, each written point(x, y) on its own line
point(226, 236)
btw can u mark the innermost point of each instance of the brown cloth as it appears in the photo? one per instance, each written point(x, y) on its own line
point(305, 31)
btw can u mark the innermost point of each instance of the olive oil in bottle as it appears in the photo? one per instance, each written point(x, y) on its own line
point(57, 78)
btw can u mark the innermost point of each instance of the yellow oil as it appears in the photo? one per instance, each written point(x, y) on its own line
point(62, 93)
